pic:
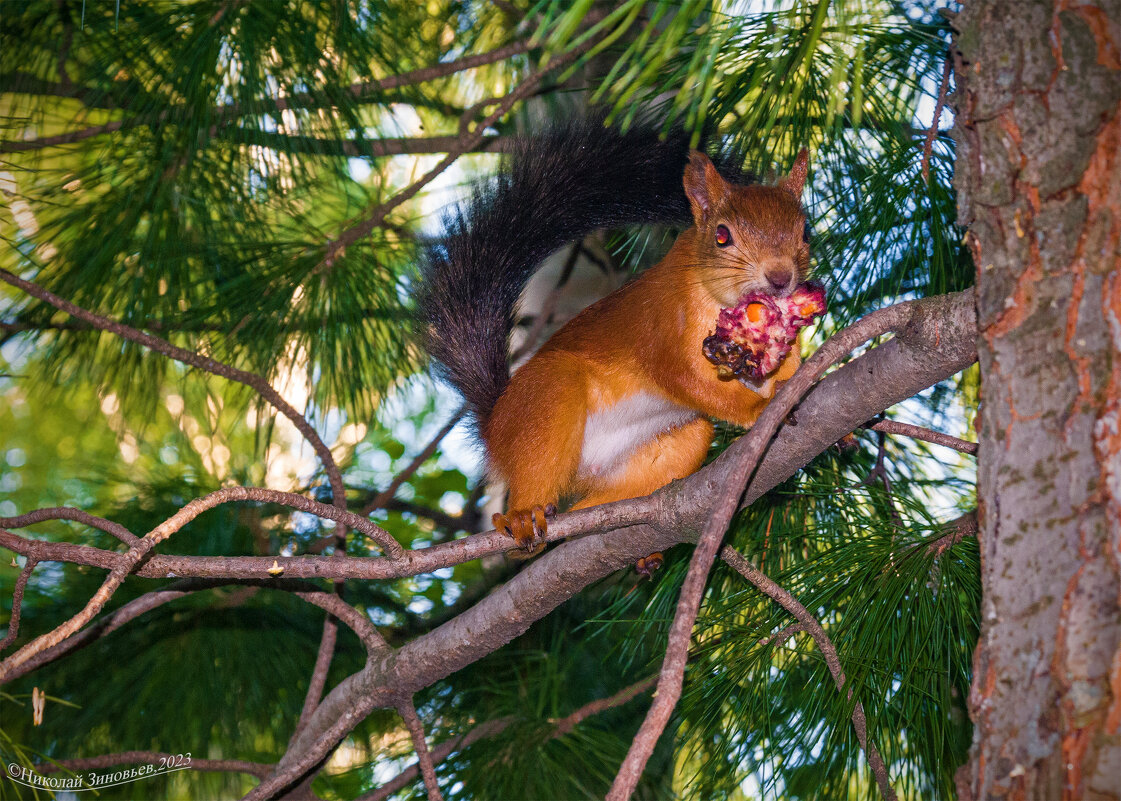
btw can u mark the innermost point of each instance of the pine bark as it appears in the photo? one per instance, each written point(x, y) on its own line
point(1038, 176)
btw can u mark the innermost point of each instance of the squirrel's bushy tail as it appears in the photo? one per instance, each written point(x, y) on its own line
point(555, 188)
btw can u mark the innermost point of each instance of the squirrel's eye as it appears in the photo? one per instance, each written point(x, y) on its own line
point(723, 236)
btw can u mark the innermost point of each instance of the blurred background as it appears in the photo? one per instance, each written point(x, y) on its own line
point(254, 180)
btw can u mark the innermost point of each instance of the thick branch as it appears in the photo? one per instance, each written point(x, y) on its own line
point(937, 342)
point(672, 675)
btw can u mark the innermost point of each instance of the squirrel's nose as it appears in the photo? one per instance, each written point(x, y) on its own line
point(779, 277)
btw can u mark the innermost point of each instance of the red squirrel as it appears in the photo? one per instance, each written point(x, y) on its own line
point(617, 403)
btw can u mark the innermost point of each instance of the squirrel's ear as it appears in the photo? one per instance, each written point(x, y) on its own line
point(794, 182)
point(703, 185)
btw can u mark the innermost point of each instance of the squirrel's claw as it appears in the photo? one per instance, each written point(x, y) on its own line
point(525, 525)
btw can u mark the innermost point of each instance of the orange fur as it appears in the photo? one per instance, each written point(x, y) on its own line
point(636, 354)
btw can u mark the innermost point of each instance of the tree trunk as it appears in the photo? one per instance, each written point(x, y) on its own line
point(1038, 176)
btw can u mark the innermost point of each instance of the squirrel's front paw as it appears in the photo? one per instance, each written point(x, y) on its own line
point(525, 525)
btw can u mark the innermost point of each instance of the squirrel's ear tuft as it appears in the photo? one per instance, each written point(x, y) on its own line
point(703, 185)
point(796, 180)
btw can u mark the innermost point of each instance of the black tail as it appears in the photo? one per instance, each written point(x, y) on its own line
point(556, 188)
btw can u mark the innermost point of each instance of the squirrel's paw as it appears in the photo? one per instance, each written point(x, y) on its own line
point(524, 526)
point(647, 566)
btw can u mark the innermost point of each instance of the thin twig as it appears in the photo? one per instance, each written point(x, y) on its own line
point(179, 589)
point(791, 604)
point(307, 760)
point(76, 515)
point(318, 681)
point(571, 721)
point(138, 551)
point(407, 710)
point(195, 360)
point(932, 132)
point(784, 634)
point(386, 495)
point(460, 522)
point(359, 92)
point(17, 604)
point(925, 434)
point(439, 754)
point(361, 148)
point(677, 649)
point(259, 769)
point(879, 472)
point(375, 216)
point(491, 728)
point(956, 531)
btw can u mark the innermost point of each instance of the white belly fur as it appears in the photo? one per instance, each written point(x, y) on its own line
point(612, 434)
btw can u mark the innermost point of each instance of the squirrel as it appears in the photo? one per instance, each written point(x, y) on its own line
point(617, 403)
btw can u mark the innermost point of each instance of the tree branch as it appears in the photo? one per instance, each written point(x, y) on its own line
point(932, 132)
point(193, 359)
point(956, 531)
point(571, 721)
point(196, 507)
point(357, 92)
point(407, 710)
point(562, 726)
point(925, 434)
point(17, 604)
point(439, 754)
point(386, 495)
point(367, 148)
point(791, 604)
point(318, 681)
point(76, 515)
point(258, 769)
point(893, 318)
point(375, 216)
point(937, 342)
point(179, 589)
point(139, 550)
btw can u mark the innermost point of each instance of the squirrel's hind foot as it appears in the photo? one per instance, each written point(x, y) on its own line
point(524, 526)
point(647, 566)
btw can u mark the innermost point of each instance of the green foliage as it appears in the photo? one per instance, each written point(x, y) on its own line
point(210, 152)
